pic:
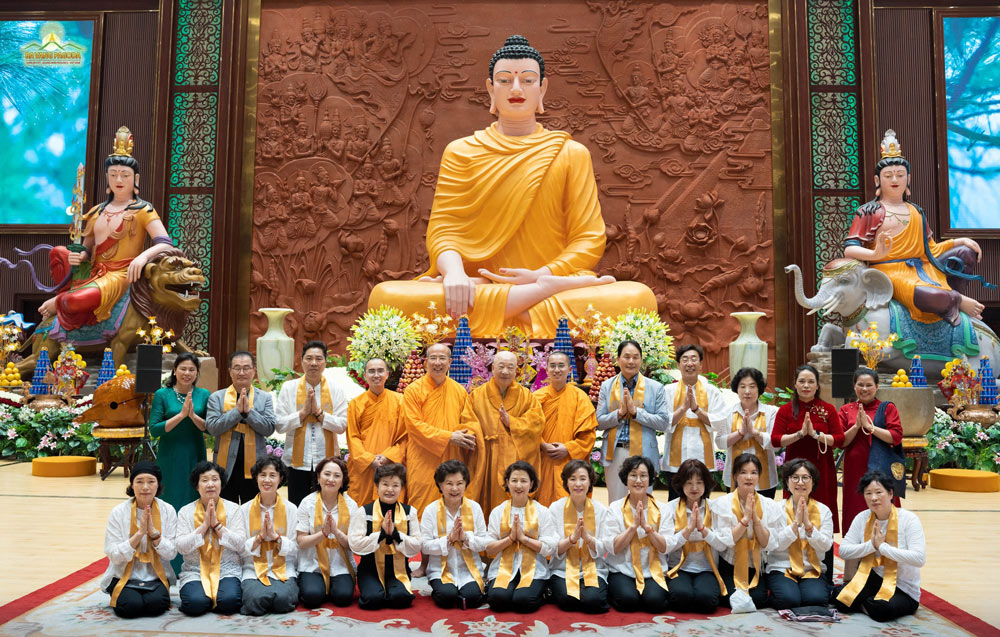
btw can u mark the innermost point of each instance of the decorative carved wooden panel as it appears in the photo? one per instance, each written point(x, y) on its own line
point(357, 102)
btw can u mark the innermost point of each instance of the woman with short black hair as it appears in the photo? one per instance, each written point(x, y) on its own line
point(139, 543)
point(890, 544)
point(795, 567)
point(747, 427)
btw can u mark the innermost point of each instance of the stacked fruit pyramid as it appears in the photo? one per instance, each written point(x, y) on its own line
point(605, 370)
point(901, 379)
point(413, 369)
point(10, 377)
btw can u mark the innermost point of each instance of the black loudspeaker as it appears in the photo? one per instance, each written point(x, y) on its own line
point(148, 368)
point(844, 362)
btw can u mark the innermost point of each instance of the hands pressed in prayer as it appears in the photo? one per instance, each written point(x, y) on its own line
point(457, 532)
point(387, 523)
point(749, 511)
point(504, 418)
point(878, 535)
point(243, 402)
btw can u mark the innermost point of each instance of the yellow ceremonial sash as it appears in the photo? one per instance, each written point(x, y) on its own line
point(343, 521)
point(634, 428)
point(680, 523)
point(299, 434)
point(210, 552)
point(751, 445)
point(260, 564)
point(655, 567)
point(701, 397)
point(799, 546)
point(506, 572)
point(249, 435)
point(149, 556)
point(469, 525)
point(388, 548)
point(745, 547)
point(870, 562)
point(576, 555)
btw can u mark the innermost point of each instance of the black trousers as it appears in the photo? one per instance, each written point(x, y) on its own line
point(195, 602)
point(238, 488)
point(593, 599)
point(300, 484)
point(899, 605)
point(133, 602)
point(312, 590)
point(787, 593)
point(694, 592)
point(625, 598)
point(758, 593)
point(450, 596)
point(373, 596)
point(519, 600)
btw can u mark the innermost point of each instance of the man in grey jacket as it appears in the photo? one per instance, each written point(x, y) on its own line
point(240, 417)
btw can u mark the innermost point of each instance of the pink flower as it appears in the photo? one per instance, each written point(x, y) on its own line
point(779, 459)
point(981, 435)
point(720, 464)
point(68, 435)
point(11, 434)
point(268, 449)
point(278, 451)
point(594, 457)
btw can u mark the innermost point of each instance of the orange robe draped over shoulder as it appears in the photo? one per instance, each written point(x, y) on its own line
point(432, 413)
point(569, 419)
point(517, 202)
point(374, 426)
point(504, 445)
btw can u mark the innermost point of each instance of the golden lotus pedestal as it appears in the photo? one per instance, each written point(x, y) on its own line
point(129, 438)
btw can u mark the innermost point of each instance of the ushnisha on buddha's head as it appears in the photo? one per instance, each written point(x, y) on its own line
point(516, 85)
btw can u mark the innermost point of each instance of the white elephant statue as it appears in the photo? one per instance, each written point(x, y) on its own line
point(852, 296)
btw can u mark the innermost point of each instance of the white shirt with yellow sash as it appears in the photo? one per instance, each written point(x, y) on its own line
point(289, 541)
point(910, 553)
point(233, 537)
point(724, 521)
point(286, 410)
point(692, 442)
point(364, 543)
point(604, 545)
point(821, 540)
point(120, 552)
point(695, 562)
point(306, 523)
point(724, 426)
point(615, 525)
point(436, 545)
point(547, 535)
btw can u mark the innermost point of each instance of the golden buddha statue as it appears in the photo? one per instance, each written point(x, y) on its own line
point(515, 229)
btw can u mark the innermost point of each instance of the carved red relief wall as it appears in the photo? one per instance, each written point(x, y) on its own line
point(357, 102)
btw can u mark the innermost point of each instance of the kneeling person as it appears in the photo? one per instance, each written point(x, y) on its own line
point(326, 563)
point(385, 534)
point(454, 533)
point(270, 553)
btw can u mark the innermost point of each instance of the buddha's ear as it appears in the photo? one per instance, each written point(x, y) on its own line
point(493, 103)
point(541, 95)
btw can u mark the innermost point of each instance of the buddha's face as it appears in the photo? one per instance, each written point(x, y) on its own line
point(893, 180)
point(122, 180)
point(516, 89)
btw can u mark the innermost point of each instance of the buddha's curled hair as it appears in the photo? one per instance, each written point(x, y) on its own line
point(516, 47)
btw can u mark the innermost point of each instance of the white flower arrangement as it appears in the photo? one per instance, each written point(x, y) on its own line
point(382, 333)
point(645, 328)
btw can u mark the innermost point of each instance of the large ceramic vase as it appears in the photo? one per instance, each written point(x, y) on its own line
point(747, 350)
point(275, 349)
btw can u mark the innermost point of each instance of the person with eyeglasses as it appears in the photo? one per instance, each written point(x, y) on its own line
point(795, 568)
point(240, 417)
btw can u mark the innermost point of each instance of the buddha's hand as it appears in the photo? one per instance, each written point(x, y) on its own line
point(76, 258)
point(514, 276)
point(883, 246)
point(963, 241)
point(459, 293)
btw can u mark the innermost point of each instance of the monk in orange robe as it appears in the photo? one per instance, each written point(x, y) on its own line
point(376, 432)
point(515, 231)
point(440, 425)
point(570, 429)
point(512, 422)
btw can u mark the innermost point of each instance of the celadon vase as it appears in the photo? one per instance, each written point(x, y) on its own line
point(275, 349)
point(747, 350)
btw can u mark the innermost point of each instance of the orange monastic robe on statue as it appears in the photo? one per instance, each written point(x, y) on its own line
point(517, 202)
point(374, 426)
point(504, 445)
point(432, 413)
point(569, 419)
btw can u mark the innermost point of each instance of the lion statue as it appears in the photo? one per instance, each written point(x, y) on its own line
point(168, 289)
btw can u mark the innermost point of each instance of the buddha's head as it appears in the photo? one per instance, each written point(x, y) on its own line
point(516, 82)
point(121, 168)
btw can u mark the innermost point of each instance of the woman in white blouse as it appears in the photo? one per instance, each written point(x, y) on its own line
point(522, 538)
point(795, 567)
point(579, 574)
point(636, 563)
point(326, 563)
point(385, 533)
point(271, 551)
point(139, 543)
point(454, 533)
point(210, 536)
point(747, 427)
point(693, 544)
point(890, 544)
point(747, 525)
